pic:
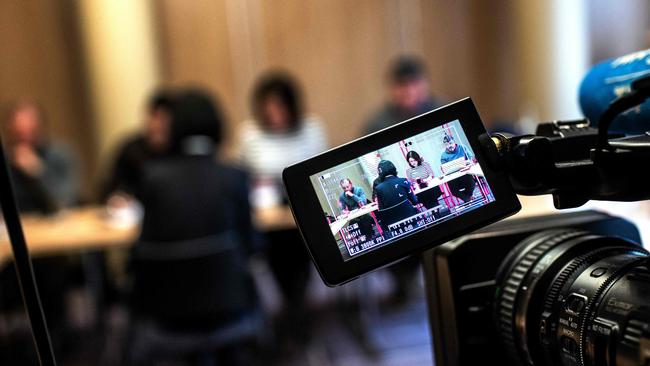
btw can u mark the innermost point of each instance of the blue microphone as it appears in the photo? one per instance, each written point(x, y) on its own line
point(610, 79)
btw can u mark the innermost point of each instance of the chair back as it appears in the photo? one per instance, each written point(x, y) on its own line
point(197, 283)
point(396, 213)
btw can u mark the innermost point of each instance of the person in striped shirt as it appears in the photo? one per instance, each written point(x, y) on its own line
point(281, 133)
point(420, 174)
point(419, 171)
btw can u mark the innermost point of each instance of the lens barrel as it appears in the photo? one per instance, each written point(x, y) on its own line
point(568, 297)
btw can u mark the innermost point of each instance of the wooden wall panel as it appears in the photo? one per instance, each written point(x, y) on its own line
point(338, 50)
point(196, 49)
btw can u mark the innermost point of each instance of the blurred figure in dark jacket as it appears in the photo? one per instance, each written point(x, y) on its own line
point(197, 215)
point(43, 170)
point(150, 145)
point(190, 193)
point(409, 94)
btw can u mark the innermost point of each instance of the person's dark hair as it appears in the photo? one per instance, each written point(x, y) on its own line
point(161, 99)
point(447, 139)
point(283, 86)
point(386, 168)
point(195, 113)
point(413, 155)
point(405, 69)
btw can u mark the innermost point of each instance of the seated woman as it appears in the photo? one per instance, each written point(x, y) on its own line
point(419, 171)
point(280, 134)
point(420, 175)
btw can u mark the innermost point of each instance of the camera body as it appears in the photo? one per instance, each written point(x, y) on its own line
point(467, 283)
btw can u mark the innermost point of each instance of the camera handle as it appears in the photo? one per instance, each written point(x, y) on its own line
point(639, 92)
point(575, 162)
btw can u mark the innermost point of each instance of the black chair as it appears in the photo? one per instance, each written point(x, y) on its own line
point(191, 298)
point(463, 187)
point(429, 198)
point(394, 214)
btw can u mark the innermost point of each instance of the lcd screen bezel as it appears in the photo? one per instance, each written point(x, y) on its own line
point(308, 212)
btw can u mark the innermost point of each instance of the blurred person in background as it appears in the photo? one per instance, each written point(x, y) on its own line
point(150, 145)
point(43, 170)
point(409, 92)
point(124, 178)
point(192, 199)
point(281, 134)
point(192, 179)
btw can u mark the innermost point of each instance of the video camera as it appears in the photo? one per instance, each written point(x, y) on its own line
point(566, 289)
point(569, 289)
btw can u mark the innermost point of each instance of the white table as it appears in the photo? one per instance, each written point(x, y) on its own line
point(341, 221)
point(474, 169)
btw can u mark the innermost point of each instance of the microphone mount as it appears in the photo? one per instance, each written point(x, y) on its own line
point(576, 162)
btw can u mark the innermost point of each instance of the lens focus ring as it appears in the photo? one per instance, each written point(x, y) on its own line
point(537, 245)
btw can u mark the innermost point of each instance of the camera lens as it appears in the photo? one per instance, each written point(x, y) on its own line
point(568, 297)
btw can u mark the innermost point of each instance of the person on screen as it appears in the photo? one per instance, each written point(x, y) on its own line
point(409, 91)
point(352, 197)
point(419, 171)
point(420, 174)
point(463, 186)
point(393, 191)
point(453, 151)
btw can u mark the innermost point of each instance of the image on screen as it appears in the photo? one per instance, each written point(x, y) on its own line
point(412, 184)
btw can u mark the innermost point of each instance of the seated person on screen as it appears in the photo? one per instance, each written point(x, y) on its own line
point(419, 171)
point(453, 151)
point(463, 186)
point(394, 195)
point(352, 197)
point(420, 175)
